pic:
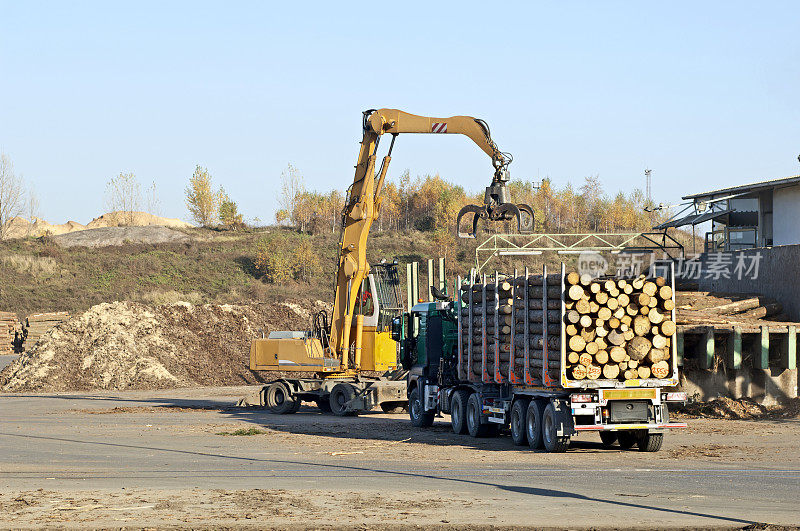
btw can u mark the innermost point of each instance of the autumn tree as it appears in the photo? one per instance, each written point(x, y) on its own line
point(12, 195)
point(201, 200)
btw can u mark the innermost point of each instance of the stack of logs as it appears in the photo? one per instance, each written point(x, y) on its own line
point(618, 329)
point(37, 324)
point(507, 301)
point(9, 326)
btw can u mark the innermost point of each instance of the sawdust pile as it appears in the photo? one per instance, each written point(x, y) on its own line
point(127, 345)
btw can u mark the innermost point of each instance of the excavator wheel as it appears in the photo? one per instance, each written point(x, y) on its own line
point(393, 408)
point(341, 394)
point(280, 399)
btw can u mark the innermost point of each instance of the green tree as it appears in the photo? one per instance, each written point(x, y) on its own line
point(229, 214)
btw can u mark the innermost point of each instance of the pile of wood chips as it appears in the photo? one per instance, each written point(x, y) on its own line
point(617, 328)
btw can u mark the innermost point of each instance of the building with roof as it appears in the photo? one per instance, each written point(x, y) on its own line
point(760, 214)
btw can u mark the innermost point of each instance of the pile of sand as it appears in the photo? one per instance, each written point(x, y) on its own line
point(22, 228)
point(135, 219)
point(126, 345)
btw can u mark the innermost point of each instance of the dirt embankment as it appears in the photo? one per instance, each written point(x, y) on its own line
point(126, 345)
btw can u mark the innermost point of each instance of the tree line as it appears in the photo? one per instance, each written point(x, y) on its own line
point(431, 203)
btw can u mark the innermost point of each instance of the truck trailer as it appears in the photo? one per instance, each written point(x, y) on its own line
point(547, 356)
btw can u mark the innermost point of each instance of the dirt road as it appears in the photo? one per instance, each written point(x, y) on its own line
point(186, 458)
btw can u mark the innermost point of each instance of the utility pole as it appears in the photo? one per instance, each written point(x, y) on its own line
point(647, 174)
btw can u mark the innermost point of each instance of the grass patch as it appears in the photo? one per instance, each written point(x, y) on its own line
point(242, 432)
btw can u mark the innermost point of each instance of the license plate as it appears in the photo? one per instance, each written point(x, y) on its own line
point(628, 394)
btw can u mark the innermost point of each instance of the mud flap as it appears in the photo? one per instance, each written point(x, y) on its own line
point(565, 425)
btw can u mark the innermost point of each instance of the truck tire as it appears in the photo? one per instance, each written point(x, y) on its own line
point(419, 418)
point(474, 426)
point(650, 442)
point(626, 439)
point(533, 424)
point(519, 412)
point(279, 399)
point(340, 395)
point(608, 438)
point(458, 411)
point(552, 442)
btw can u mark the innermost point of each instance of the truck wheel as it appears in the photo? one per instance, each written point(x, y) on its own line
point(552, 442)
point(458, 411)
point(341, 394)
point(474, 426)
point(324, 404)
point(626, 439)
point(519, 412)
point(533, 424)
point(608, 438)
point(650, 442)
point(280, 399)
point(419, 418)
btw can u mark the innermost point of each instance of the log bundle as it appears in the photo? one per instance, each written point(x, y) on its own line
point(506, 321)
point(9, 331)
point(37, 324)
point(618, 329)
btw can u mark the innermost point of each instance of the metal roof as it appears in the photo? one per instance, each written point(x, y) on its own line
point(748, 187)
point(693, 219)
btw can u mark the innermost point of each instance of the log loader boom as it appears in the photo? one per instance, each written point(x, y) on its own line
point(359, 338)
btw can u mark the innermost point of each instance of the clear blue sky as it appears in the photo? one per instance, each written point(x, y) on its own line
point(705, 93)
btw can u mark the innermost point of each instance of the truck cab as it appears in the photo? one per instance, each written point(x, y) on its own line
point(427, 338)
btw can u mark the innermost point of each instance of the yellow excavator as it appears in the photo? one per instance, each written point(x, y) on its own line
point(346, 356)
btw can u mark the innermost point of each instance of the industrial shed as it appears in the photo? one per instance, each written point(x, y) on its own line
point(759, 214)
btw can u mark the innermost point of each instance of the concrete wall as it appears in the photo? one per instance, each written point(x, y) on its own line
point(765, 386)
point(778, 275)
point(786, 216)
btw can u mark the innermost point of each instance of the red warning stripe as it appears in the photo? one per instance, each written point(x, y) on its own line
point(438, 127)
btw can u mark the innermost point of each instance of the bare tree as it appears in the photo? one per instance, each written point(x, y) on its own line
point(153, 201)
point(32, 206)
point(12, 195)
point(292, 189)
point(124, 194)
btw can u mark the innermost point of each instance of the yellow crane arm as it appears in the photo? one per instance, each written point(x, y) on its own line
point(364, 200)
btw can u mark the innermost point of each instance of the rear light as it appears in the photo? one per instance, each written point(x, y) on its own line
point(605, 413)
point(581, 398)
point(676, 397)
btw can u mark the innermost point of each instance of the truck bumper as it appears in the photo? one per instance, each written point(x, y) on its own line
point(636, 426)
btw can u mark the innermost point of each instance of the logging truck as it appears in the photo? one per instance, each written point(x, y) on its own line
point(548, 357)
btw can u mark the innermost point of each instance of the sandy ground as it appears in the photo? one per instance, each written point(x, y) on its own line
point(186, 458)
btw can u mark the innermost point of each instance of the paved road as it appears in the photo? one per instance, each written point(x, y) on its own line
point(718, 473)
